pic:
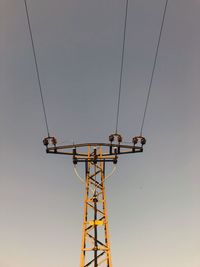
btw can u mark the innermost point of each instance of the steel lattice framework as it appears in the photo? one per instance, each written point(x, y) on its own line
point(95, 248)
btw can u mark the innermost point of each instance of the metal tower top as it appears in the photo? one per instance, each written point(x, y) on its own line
point(110, 150)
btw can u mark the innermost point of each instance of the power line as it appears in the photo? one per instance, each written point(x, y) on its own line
point(122, 66)
point(154, 66)
point(37, 68)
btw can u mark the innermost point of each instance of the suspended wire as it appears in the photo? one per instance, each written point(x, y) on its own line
point(111, 173)
point(37, 68)
point(82, 179)
point(122, 67)
point(154, 66)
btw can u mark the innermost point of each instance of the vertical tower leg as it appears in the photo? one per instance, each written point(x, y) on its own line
point(95, 250)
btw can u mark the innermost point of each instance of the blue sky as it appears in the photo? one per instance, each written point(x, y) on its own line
point(154, 197)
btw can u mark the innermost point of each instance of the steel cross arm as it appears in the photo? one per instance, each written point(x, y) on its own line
point(110, 149)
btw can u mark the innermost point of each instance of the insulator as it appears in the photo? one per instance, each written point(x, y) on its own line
point(119, 138)
point(46, 141)
point(115, 161)
point(75, 161)
point(115, 150)
point(54, 141)
point(115, 137)
point(143, 141)
point(111, 138)
point(135, 140)
point(74, 151)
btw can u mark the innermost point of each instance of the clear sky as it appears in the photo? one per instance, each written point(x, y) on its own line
point(154, 197)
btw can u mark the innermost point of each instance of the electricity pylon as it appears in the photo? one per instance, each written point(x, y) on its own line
point(95, 248)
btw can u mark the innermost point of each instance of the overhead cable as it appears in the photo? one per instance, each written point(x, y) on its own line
point(122, 66)
point(37, 68)
point(154, 66)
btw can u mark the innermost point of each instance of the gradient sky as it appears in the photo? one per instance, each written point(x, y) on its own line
point(154, 197)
